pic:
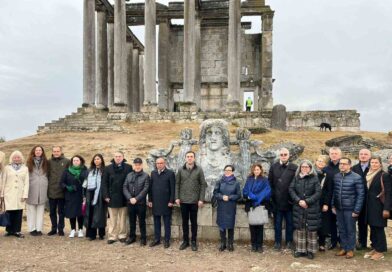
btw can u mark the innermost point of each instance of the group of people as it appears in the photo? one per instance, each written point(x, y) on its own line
point(316, 201)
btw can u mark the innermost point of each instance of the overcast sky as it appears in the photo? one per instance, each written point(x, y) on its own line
point(328, 54)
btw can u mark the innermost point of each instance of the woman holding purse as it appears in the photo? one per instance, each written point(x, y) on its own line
point(256, 192)
point(305, 191)
point(377, 203)
point(227, 191)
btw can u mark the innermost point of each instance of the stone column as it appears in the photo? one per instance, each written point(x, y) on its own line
point(189, 56)
point(197, 86)
point(265, 97)
point(110, 39)
point(101, 95)
point(150, 100)
point(233, 58)
point(88, 53)
point(163, 65)
point(135, 81)
point(129, 61)
point(120, 55)
point(141, 80)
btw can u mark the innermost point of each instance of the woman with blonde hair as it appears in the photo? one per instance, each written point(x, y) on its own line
point(15, 192)
point(37, 164)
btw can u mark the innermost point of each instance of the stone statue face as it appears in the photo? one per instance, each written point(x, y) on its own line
point(214, 138)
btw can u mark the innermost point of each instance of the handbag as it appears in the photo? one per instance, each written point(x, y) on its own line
point(214, 200)
point(381, 196)
point(84, 208)
point(258, 216)
point(4, 216)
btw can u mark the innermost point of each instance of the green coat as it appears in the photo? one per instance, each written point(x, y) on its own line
point(55, 171)
point(190, 185)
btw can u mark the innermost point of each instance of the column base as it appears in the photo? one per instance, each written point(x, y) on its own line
point(101, 107)
point(233, 106)
point(119, 108)
point(188, 107)
point(149, 108)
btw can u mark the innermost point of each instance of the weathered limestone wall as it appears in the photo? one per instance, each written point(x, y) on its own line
point(342, 120)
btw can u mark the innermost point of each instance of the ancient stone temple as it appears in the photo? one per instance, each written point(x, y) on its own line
point(204, 64)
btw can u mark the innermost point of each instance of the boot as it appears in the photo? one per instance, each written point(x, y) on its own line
point(223, 240)
point(230, 245)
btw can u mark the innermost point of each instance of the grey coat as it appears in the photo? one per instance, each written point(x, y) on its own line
point(38, 187)
point(190, 184)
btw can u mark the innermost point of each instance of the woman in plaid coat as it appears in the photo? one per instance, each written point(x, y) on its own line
point(305, 191)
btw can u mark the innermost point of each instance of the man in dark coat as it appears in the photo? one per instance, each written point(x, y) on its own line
point(112, 192)
point(135, 190)
point(57, 164)
point(161, 200)
point(331, 170)
point(347, 201)
point(280, 176)
point(362, 168)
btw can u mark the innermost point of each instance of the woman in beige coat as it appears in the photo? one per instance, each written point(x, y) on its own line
point(15, 192)
point(38, 188)
point(2, 157)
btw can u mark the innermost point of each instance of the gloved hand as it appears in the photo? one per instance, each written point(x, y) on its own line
point(69, 188)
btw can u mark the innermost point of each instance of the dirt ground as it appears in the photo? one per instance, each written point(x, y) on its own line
point(78, 254)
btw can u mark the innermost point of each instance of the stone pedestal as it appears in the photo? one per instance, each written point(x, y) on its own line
point(150, 108)
point(233, 106)
point(188, 107)
point(279, 116)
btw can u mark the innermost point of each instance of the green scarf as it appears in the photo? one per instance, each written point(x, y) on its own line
point(75, 171)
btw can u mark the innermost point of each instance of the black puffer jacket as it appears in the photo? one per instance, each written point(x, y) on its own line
point(349, 192)
point(280, 177)
point(136, 185)
point(308, 189)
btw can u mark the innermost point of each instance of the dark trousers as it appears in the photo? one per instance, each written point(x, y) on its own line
point(256, 235)
point(92, 232)
point(157, 227)
point(72, 221)
point(333, 228)
point(248, 108)
point(138, 211)
point(378, 239)
point(15, 221)
point(56, 207)
point(322, 238)
point(347, 230)
point(189, 211)
point(288, 217)
point(230, 235)
point(362, 229)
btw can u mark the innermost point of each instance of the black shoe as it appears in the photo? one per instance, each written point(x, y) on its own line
point(184, 245)
point(143, 242)
point(230, 247)
point(310, 256)
point(167, 244)
point(130, 241)
point(9, 234)
point(122, 240)
point(222, 247)
point(52, 232)
point(360, 247)
point(33, 233)
point(290, 245)
point(39, 233)
point(254, 248)
point(277, 246)
point(100, 237)
point(194, 246)
point(155, 243)
point(259, 249)
point(19, 235)
point(111, 242)
point(297, 254)
point(61, 233)
point(332, 247)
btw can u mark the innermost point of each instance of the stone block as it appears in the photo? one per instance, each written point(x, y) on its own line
point(241, 219)
point(209, 233)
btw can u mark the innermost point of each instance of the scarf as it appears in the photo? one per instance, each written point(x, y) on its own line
point(37, 161)
point(228, 179)
point(75, 171)
point(16, 166)
point(94, 184)
point(370, 176)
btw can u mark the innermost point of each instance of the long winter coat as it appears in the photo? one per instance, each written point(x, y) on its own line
point(100, 208)
point(325, 199)
point(331, 170)
point(280, 177)
point(74, 199)
point(374, 206)
point(226, 210)
point(306, 188)
point(15, 187)
point(55, 171)
point(162, 191)
point(113, 182)
point(38, 188)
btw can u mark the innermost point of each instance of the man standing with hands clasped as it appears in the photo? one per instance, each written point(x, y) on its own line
point(347, 201)
point(190, 192)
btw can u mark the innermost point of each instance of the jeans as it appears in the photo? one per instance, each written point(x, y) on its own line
point(347, 230)
point(189, 211)
point(138, 211)
point(288, 217)
point(157, 227)
point(57, 208)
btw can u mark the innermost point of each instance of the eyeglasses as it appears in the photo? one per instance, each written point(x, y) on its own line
point(159, 163)
point(305, 166)
point(228, 170)
point(283, 155)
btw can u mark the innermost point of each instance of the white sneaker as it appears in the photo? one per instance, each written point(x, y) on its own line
point(80, 233)
point(72, 234)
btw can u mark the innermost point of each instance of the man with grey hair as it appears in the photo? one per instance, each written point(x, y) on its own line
point(362, 168)
point(335, 153)
point(280, 175)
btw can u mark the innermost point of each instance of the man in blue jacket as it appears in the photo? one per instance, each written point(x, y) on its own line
point(347, 201)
